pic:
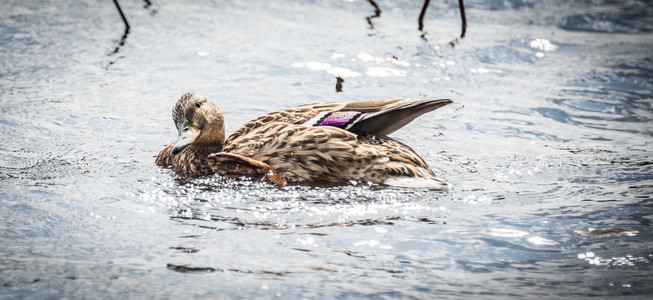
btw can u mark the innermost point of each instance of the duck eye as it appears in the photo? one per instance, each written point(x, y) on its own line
point(198, 104)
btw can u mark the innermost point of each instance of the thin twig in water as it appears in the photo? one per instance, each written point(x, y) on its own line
point(463, 17)
point(121, 43)
point(420, 21)
point(377, 13)
point(339, 82)
point(461, 5)
point(124, 20)
point(124, 35)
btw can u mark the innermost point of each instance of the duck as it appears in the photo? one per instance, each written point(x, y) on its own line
point(320, 143)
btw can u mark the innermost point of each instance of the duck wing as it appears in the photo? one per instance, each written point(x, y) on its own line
point(330, 142)
point(380, 117)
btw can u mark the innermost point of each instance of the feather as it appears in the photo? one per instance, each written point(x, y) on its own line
point(393, 117)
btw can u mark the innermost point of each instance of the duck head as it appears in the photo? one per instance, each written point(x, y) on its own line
point(199, 123)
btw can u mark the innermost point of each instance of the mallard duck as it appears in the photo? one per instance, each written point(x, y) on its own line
point(331, 143)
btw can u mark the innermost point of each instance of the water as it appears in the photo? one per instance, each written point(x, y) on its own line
point(548, 148)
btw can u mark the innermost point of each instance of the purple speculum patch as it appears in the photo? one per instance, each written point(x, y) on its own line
point(339, 118)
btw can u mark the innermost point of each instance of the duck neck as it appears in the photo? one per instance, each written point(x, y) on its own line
point(211, 140)
point(208, 148)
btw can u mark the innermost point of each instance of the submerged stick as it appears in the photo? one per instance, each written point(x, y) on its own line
point(124, 35)
point(124, 20)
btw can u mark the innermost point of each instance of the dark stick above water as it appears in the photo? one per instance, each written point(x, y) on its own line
point(377, 13)
point(463, 17)
point(461, 5)
point(339, 82)
point(124, 20)
point(420, 20)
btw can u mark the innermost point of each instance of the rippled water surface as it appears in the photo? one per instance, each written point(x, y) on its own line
point(548, 149)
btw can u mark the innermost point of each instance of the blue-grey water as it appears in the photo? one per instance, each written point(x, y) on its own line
point(548, 148)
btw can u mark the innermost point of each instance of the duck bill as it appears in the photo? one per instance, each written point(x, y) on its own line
point(186, 135)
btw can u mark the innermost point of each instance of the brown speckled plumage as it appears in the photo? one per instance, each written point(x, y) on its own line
point(298, 147)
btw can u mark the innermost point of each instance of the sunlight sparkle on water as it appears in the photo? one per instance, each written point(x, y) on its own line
point(536, 240)
point(542, 45)
point(319, 66)
point(505, 232)
point(369, 58)
point(484, 70)
point(626, 260)
point(384, 72)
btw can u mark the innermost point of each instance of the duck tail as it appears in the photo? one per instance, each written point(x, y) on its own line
point(393, 117)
